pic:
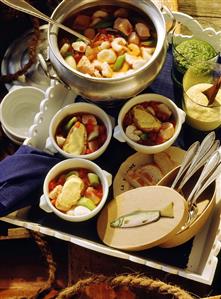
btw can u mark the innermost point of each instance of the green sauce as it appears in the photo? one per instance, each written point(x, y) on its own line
point(191, 51)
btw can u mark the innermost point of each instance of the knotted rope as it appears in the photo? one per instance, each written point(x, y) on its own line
point(131, 281)
point(47, 255)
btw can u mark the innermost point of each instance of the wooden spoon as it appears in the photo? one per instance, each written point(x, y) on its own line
point(212, 91)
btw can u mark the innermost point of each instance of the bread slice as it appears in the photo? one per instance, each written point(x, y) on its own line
point(146, 175)
point(164, 162)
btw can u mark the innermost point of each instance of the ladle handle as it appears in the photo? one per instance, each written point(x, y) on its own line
point(186, 162)
point(212, 178)
point(203, 149)
point(202, 161)
point(29, 9)
point(208, 169)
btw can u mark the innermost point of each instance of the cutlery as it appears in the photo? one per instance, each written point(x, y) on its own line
point(208, 169)
point(210, 172)
point(29, 9)
point(186, 162)
point(205, 149)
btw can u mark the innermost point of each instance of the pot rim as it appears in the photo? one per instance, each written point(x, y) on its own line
point(53, 32)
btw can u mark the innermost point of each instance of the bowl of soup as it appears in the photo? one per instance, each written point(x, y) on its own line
point(126, 52)
point(149, 123)
point(75, 190)
point(80, 130)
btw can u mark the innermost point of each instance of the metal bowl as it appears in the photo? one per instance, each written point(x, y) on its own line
point(109, 89)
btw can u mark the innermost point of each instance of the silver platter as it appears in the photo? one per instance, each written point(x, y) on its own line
point(17, 56)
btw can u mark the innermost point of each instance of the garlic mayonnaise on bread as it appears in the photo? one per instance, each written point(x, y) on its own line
point(70, 193)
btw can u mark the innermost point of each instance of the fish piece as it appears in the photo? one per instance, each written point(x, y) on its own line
point(136, 218)
point(139, 217)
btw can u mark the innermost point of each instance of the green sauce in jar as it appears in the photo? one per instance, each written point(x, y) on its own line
point(191, 51)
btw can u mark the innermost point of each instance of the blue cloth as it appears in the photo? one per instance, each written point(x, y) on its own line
point(22, 176)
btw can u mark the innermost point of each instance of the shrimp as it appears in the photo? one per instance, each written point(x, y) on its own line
point(79, 46)
point(133, 49)
point(131, 132)
point(118, 44)
point(107, 55)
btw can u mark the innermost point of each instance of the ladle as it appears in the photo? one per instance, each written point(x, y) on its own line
point(205, 149)
point(209, 173)
point(29, 9)
point(212, 91)
point(190, 153)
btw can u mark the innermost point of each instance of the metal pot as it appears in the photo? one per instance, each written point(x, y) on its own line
point(108, 89)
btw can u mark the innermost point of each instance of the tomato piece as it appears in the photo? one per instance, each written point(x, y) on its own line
point(86, 181)
point(102, 129)
point(89, 128)
point(88, 151)
point(99, 191)
point(94, 194)
point(82, 172)
point(61, 180)
point(77, 56)
point(52, 185)
point(103, 31)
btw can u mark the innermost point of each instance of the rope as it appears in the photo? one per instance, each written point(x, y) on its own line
point(32, 52)
point(132, 281)
point(47, 254)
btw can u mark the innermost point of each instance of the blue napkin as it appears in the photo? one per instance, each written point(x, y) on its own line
point(22, 176)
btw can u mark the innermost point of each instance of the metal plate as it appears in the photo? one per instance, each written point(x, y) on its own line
point(16, 57)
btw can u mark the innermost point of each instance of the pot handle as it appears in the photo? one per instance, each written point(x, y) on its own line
point(182, 115)
point(49, 147)
point(117, 134)
point(44, 205)
point(108, 177)
point(168, 16)
point(45, 69)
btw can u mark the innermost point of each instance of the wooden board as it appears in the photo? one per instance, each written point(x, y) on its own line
point(171, 4)
point(148, 235)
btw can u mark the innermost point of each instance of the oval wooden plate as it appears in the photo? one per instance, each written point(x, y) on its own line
point(148, 235)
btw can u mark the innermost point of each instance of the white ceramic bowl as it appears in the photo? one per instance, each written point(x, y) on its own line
point(105, 178)
point(179, 115)
point(76, 108)
point(12, 137)
point(18, 109)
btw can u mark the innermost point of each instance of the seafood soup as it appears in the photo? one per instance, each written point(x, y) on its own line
point(122, 41)
point(81, 133)
point(149, 123)
point(76, 191)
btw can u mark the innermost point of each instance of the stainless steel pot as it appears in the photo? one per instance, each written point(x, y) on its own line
point(109, 89)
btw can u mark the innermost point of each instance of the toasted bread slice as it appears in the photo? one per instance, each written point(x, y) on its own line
point(146, 175)
point(164, 162)
point(145, 120)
